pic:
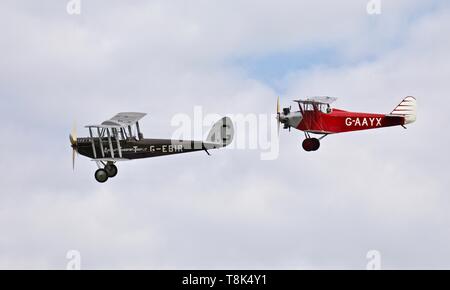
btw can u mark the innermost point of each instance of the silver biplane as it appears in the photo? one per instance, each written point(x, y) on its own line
point(121, 139)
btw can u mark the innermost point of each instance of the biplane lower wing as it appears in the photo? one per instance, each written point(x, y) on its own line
point(110, 159)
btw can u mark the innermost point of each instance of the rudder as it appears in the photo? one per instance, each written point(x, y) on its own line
point(221, 134)
point(407, 109)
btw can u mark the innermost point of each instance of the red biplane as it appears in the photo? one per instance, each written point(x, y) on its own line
point(317, 117)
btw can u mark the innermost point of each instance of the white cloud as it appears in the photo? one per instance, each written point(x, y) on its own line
point(382, 190)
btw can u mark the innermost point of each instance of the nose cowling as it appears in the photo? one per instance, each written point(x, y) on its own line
point(284, 117)
point(287, 118)
point(290, 119)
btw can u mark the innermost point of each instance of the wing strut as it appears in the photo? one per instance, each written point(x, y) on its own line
point(116, 135)
point(110, 143)
point(93, 143)
point(100, 142)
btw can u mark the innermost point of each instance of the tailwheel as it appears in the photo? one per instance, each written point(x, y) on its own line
point(111, 170)
point(101, 175)
point(311, 144)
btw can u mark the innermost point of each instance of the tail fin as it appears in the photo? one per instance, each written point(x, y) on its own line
point(407, 109)
point(221, 134)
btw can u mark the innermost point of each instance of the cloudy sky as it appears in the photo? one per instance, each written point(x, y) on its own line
point(384, 190)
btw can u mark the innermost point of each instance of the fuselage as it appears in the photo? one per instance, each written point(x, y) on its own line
point(339, 121)
point(135, 149)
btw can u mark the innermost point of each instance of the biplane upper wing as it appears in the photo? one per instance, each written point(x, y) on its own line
point(121, 120)
point(125, 119)
point(317, 100)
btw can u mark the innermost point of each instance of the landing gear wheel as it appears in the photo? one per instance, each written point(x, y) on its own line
point(316, 144)
point(101, 175)
point(311, 144)
point(111, 170)
point(307, 145)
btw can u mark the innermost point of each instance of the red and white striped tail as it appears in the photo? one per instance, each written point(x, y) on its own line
point(408, 109)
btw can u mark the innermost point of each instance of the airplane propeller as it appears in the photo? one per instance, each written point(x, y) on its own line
point(284, 119)
point(278, 115)
point(74, 144)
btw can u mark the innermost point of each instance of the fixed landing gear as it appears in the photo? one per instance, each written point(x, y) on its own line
point(103, 174)
point(311, 144)
point(111, 169)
